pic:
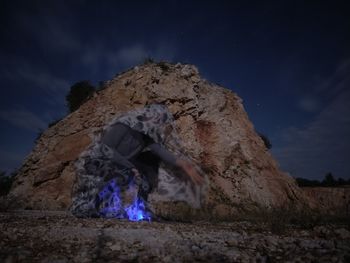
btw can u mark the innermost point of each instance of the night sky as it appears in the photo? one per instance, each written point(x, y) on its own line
point(288, 60)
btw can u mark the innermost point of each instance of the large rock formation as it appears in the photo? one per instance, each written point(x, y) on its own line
point(213, 124)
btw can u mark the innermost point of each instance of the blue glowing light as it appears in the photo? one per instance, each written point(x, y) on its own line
point(115, 209)
point(137, 211)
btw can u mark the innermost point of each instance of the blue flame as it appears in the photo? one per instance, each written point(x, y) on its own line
point(137, 211)
point(134, 212)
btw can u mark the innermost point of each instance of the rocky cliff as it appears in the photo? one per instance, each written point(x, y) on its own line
point(212, 122)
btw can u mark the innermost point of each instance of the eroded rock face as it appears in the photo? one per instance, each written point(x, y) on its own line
point(212, 122)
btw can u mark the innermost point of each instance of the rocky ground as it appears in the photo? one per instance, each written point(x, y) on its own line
point(38, 236)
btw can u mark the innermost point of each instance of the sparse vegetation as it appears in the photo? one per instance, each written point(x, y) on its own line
point(279, 220)
point(266, 141)
point(40, 132)
point(54, 122)
point(101, 85)
point(148, 60)
point(163, 65)
point(328, 181)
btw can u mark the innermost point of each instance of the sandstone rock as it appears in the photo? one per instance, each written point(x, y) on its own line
point(212, 122)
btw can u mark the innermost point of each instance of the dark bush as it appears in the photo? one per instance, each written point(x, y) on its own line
point(163, 65)
point(148, 60)
point(307, 183)
point(5, 183)
point(266, 140)
point(329, 180)
point(40, 132)
point(78, 94)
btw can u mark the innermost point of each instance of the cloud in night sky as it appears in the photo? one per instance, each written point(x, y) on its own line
point(337, 82)
point(51, 87)
point(96, 57)
point(308, 104)
point(43, 80)
point(135, 54)
point(323, 145)
point(24, 119)
point(132, 55)
point(9, 160)
point(46, 25)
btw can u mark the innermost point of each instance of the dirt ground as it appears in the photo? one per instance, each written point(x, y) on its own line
point(56, 236)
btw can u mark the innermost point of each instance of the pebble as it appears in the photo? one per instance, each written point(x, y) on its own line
point(115, 247)
point(194, 248)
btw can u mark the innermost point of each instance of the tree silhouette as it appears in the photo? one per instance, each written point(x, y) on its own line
point(329, 180)
point(79, 93)
point(307, 183)
point(5, 183)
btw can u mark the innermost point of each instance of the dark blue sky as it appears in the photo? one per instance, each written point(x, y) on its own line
point(288, 60)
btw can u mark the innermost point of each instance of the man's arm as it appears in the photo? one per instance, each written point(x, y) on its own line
point(163, 153)
point(174, 160)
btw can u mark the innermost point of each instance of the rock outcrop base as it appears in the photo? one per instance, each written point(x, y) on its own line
point(212, 122)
